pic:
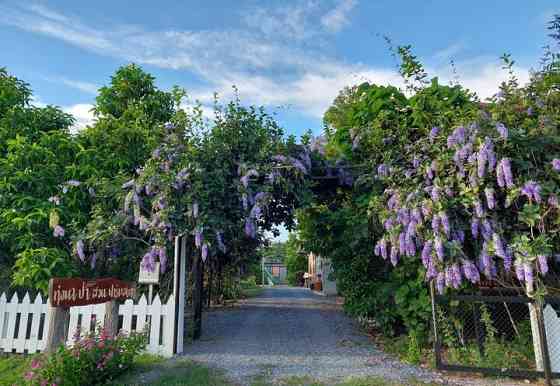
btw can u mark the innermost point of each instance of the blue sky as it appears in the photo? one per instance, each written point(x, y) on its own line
point(291, 56)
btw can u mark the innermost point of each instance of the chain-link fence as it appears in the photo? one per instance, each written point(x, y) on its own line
point(497, 335)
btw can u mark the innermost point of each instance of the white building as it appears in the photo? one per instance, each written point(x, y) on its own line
point(320, 275)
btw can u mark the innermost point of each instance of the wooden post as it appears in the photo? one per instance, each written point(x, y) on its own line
point(111, 325)
point(59, 318)
point(197, 272)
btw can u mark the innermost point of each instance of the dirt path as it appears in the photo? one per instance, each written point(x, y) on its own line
point(288, 332)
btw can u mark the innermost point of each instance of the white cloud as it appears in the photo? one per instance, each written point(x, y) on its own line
point(83, 114)
point(274, 64)
point(337, 18)
point(87, 87)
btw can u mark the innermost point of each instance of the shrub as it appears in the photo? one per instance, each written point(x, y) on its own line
point(91, 360)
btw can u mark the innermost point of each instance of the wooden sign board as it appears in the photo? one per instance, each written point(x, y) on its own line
point(71, 292)
point(148, 277)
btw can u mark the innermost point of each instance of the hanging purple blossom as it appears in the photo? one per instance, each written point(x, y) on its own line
point(499, 246)
point(434, 133)
point(542, 260)
point(490, 200)
point(532, 191)
point(382, 170)
point(426, 209)
point(440, 282)
point(506, 168)
point(247, 176)
point(502, 129)
point(500, 178)
point(486, 229)
point(58, 231)
point(402, 244)
point(478, 209)
point(298, 165)
point(556, 164)
point(520, 271)
point(93, 260)
point(416, 215)
point(553, 201)
point(471, 272)
point(475, 224)
point(439, 249)
point(394, 255)
point(435, 193)
point(204, 252)
point(198, 238)
point(256, 212)
point(250, 230)
point(508, 259)
point(427, 252)
point(80, 250)
point(445, 223)
point(148, 260)
point(529, 275)
point(162, 259)
point(383, 248)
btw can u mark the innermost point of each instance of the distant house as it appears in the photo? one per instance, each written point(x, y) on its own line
point(273, 271)
point(320, 275)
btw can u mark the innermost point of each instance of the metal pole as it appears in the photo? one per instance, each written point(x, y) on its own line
point(437, 342)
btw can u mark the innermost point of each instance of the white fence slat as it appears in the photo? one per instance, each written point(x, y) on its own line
point(23, 310)
point(126, 311)
point(155, 313)
point(12, 308)
point(3, 318)
point(37, 310)
point(169, 330)
point(141, 310)
point(161, 316)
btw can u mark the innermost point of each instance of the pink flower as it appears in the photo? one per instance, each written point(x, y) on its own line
point(35, 364)
point(29, 375)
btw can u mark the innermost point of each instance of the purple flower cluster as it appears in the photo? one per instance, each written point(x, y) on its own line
point(58, 231)
point(457, 137)
point(502, 130)
point(504, 176)
point(532, 191)
point(490, 200)
point(556, 164)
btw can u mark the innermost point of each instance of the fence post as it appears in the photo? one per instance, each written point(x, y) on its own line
point(111, 323)
point(58, 319)
point(543, 342)
point(477, 328)
point(437, 341)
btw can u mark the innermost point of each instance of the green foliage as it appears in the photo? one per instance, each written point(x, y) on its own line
point(296, 260)
point(92, 360)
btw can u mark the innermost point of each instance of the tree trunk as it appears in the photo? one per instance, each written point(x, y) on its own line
point(197, 295)
point(111, 318)
point(59, 319)
point(210, 285)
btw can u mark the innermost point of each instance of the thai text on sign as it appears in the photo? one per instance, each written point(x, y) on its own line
point(79, 292)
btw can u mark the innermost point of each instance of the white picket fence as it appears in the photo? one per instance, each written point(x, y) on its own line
point(24, 325)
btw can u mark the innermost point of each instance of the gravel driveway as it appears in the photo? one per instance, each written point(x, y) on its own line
point(288, 332)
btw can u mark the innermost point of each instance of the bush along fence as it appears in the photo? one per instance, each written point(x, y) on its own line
point(24, 325)
point(497, 333)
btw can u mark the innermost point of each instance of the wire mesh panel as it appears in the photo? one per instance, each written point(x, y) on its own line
point(496, 335)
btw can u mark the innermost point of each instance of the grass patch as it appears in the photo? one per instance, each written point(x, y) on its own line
point(367, 381)
point(251, 292)
point(12, 368)
point(156, 371)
